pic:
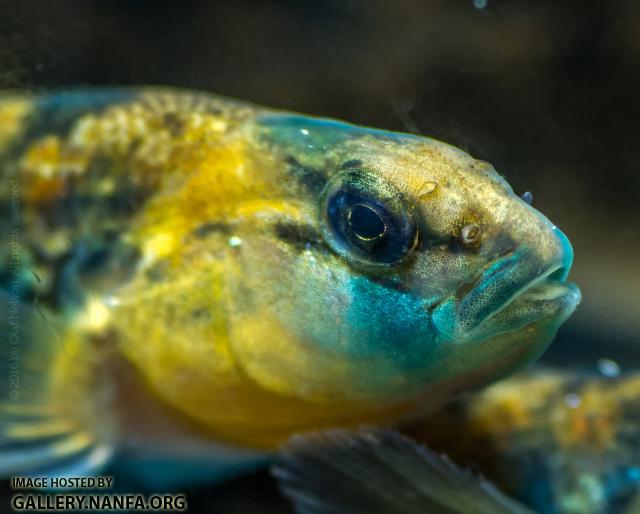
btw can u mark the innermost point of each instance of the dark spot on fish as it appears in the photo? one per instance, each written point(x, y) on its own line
point(158, 271)
point(457, 246)
point(206, 229)
point(82, 205)
point(310, 178)
point(201, 314)
point(299, 236)
point(174, 123)
point(108, 337)
point(215, 111)
point(392, 283)
point(466, 288)
point(501, 245)
point(353, 163)
point(95, 260)
point(56, 114)
point(478, 164)
point(82, 257)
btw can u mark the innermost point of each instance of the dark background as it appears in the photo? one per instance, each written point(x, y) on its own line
point(546, 91)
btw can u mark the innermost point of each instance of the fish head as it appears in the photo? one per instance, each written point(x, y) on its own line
point(309, 273)
point(408, 264)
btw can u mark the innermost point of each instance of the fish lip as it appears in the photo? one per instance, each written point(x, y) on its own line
point(563, 288)
point(555, 299)
point(556, 278)
point(557, 274)
point(499, 285)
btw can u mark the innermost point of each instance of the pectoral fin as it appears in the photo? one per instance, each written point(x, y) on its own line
point(42, 445)
point(382, 472)
point(35, 440)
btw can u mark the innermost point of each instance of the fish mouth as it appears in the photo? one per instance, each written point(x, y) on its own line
point(546, 297)
point(515, 290)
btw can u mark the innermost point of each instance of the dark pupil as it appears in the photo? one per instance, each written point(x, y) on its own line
point(365, 222)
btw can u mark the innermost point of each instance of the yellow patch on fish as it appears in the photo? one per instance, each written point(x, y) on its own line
point(13, 114)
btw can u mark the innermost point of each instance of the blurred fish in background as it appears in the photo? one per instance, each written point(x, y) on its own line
point(559, 442)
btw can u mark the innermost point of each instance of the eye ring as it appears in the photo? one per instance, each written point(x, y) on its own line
point(366, 220)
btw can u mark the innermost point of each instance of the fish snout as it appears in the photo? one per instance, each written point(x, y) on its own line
point(546, 246)
point(563, 256)
point(528, 251)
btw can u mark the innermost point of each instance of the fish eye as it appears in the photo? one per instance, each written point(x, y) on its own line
point(366, 220)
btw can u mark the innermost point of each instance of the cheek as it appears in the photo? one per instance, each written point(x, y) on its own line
point(318, 331)
point(437, 273)
point(279, 301)
point(383, 322)
point(382, 337)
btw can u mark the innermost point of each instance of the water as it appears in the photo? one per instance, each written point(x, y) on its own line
point(546, 92)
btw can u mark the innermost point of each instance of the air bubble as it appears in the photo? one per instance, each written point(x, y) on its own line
point(235, 241)
point(572, 400)
point(608, 368)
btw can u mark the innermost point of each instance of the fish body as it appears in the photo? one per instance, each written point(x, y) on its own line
point(190, 276)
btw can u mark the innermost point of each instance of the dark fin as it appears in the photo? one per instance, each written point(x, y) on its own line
point(35, 440)
point(381, 472)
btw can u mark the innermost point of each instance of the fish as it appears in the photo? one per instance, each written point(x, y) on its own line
point(550, 441)
point(188, 280)
point(562, 440)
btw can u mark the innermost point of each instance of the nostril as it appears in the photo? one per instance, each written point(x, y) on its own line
point(470, 234)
